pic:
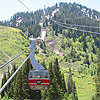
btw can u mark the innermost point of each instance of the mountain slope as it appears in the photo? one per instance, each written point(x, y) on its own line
point(71, 54)
point(74, 49)
point(67, 13)
point(12, 42)
point(74, 14)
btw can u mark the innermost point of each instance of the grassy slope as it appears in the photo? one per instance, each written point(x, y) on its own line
point(13, 43)
point(85, 84)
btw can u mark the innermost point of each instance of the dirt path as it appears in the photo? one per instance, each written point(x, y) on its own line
point(9, 59)
point(1, 75)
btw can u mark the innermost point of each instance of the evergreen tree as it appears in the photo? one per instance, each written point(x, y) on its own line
point(57, 72)
point(69, 83)
point(12, 83)
point(75, 92)
point(86, 60)
point(25, 87)
point(63, 84)
point(92, 58)
point(14, 68)
point(97, 80)
point(9, 85)
point(4, 79)
point(21, 88)
point(94, 51)
point(84, 45)
point(51, 89)
point(18, 86)
point(2, 93)
point(55, 90)
point(71, 87)
point(46, 22)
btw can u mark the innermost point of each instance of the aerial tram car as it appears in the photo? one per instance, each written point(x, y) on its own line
point(38, 79)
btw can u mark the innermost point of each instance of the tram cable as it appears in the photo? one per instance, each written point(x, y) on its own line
point(14, 58)
point(3, 87)
point(24, 5)
point(39, 77)
point(43, 71)
point(79, 25)
point(69, 24)
point(73, 28)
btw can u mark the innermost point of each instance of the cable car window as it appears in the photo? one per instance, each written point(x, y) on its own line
point(39, 74)
point(36, 75)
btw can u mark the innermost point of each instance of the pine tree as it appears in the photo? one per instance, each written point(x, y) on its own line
point(12, 83)
point(25, 87)
point(14, 68)
point(92, 58)
point(55, 91)
point(84, 45)
point(86, 61)
point(2, 93)
point(4, 79)
point(57, 72)
point(18, 86)
point(50, 92)
point(71, 87)
point(75, 92)
point(69, 83)
point(63, 84)
point(9, 85)
point(21, 88)
point(94, 51)
point(97, 80)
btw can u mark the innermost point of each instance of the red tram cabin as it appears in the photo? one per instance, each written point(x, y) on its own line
point(38, 79)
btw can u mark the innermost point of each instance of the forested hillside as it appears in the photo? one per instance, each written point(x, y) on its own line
point(27, 22)
point(71, 56)
point(77, 52)
point(12, 42)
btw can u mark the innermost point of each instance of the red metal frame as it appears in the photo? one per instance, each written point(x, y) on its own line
point(44, 82)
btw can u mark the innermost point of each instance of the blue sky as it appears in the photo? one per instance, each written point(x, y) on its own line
point(10, 7)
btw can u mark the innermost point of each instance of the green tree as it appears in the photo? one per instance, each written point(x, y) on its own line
point(72, 93)
point(9, 85)
point(3, 81)
point(63, 84)
point(25, 87)
point(55, 91)
point(84, 45)
point(51, 89)
point(57, 72)
point(18, 87)
point(97, 80)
